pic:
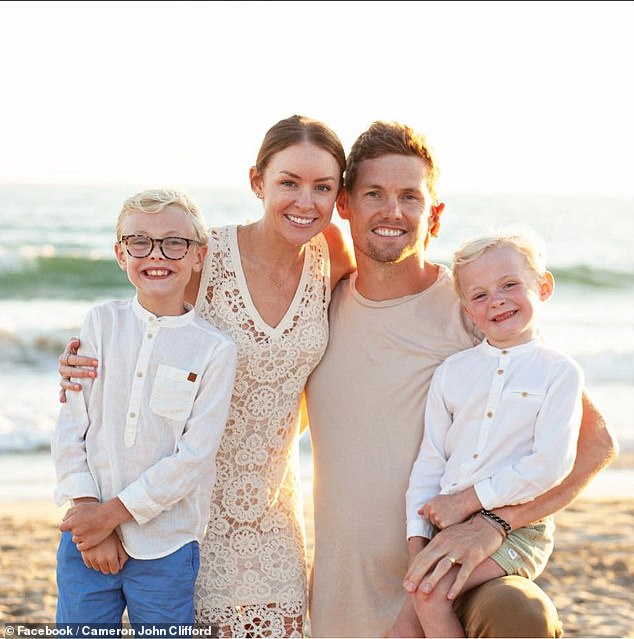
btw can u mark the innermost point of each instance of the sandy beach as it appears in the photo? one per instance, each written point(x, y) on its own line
point(590, 576)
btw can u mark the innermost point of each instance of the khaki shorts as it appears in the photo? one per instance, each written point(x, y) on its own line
point(525, 551)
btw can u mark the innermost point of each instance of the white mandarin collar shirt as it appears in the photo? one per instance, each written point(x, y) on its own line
point(165, 320)
point(148, 427)
point(504, 421)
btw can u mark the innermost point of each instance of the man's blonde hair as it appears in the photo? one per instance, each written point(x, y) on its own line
point(524, 240)
point(155, 200)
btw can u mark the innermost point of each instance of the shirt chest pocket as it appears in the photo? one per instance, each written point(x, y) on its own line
point(528, 399)
point(173, 392)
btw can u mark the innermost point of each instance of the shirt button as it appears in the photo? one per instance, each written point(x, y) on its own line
point(524, 394)
point(132, 414)
point(489, 414)
point(475, 455)
point(505, 352)
point(150, 336)
point(139, 374)
point(500, 371)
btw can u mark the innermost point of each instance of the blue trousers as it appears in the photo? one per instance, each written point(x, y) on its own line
point(155, 591)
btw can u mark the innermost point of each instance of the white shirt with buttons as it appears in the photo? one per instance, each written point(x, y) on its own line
point(504, 421)
point(147, 429)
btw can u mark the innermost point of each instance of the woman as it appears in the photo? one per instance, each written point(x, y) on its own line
point(267, 285)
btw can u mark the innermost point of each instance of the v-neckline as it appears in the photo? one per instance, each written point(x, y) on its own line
point(246, 293)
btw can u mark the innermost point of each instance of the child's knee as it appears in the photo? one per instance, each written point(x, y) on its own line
point(434, 602)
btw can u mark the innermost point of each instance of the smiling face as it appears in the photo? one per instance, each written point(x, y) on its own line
point(160, 282)
point(502, 295)
point(388, 208)
point(298, 186)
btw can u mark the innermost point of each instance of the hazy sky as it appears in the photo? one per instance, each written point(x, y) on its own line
point(514, 96)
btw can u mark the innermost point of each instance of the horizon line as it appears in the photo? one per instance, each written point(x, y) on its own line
point(450, 192)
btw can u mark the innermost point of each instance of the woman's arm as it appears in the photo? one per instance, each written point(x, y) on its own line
point(73, 365)
point(191, 290)
point(342, 261)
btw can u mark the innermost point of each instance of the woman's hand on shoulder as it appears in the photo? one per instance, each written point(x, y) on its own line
point(73, 365)
point(342, 262)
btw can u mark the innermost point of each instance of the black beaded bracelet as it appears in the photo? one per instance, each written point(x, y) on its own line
point(505, 524)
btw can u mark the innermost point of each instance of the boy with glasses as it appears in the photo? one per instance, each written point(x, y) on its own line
point(135, 450)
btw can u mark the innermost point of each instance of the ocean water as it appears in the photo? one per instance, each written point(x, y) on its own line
point(56, 260)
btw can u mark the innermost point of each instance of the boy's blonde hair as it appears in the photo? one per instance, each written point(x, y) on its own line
point(524, 240)
point(155, 200)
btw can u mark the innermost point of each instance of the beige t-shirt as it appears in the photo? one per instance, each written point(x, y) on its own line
point(366, 403)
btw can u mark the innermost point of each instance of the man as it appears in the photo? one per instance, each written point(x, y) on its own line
point(391, 324)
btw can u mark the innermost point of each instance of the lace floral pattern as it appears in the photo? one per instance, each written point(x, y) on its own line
point(252, 577)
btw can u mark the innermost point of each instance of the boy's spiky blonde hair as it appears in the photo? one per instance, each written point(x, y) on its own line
point(155, 200)
point(524, 240)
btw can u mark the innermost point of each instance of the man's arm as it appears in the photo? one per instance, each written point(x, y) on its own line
point(472, 542)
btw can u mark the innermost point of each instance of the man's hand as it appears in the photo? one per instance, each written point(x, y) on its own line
point(108, 557)
point(91, 522)
point(468, 544)
point(446, 510)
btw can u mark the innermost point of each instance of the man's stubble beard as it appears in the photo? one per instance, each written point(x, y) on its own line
point(389, 256)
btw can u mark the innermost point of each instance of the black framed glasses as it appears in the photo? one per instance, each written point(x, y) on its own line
point(173, 248)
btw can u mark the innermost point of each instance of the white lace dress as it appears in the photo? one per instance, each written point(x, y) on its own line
point(252, 578)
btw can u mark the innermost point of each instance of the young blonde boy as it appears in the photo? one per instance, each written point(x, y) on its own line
point(134, 451)
point(501, 421)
